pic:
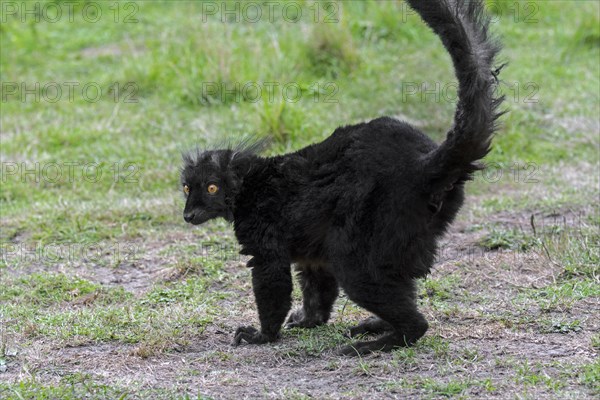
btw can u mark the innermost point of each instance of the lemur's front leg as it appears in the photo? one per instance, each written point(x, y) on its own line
point(272, 284)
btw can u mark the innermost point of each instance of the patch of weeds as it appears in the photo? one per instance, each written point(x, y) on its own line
point(467, 356)
point(529, 375)
point(596, 341)
point(43, 290)
point(363, 367)
point(154, 345)
point(404, 356)
point(565, 326)
point(450, 310)
point(396, 385)
point(216, 355)
point(289, 353)
point(488, 385)
point(435, 343)
point(512, 239)
point(589, 375)
point(295, 394)
point(176, 292)
point(451, 388)
point(71, 387)
point(474, 228)
point(331, 50)
point(348, 313)
point(165, 318)
point(577, 251)
point(439, 289)
point(84, 386)
point(313, 342)
point(561, 296)
point(333, 365)
point(213, 269)
point(164, 295)
point(436, 389)
point(505, 362)
point(514, 319)
point(280, 120)
point(210, 264)
point(3, 346)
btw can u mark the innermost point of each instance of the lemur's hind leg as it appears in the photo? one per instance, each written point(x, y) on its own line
point(319, 291)
point(393, 301)
point(371, 325)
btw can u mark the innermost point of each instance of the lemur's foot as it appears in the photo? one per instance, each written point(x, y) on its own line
point(372, 325)
point(251, 335)
point(298, 319)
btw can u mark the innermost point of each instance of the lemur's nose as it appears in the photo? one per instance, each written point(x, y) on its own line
point(188, 217)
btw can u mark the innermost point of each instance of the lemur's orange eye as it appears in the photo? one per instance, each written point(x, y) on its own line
point(186, 189)
point(212, 189)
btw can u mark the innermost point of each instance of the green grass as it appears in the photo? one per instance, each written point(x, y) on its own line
point(76, 386)
point(546, 307)
point(358, 55)
point(512, 239)
point(76, 312)
point(453, 388)
point(590, 376)
point(71, 387)
point(529, 375)
point(576, 251)
point(313, 342)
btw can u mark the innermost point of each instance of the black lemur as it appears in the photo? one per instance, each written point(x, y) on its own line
point(362, 210)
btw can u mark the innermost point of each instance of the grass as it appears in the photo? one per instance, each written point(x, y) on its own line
point(513, 240)
point(590, 376)
point(75, 386)
point(93, 251)
point(77, 312)
point(314, 342)
point(452, 388)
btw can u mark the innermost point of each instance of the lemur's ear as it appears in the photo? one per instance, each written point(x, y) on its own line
point(240, 164)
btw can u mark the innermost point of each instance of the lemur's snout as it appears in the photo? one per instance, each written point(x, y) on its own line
point(188, 217)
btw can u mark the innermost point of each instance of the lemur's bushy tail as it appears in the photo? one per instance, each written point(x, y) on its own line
point(463, 28)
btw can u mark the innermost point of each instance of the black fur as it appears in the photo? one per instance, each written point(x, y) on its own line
point(361, 210)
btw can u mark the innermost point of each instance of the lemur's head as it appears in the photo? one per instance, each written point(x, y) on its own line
point(211, 179)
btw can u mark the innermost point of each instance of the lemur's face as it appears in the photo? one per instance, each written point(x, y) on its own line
point(207, 185)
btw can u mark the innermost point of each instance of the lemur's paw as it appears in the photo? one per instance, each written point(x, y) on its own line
point(250, 335)
point(298, 320)
point(371, 325)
